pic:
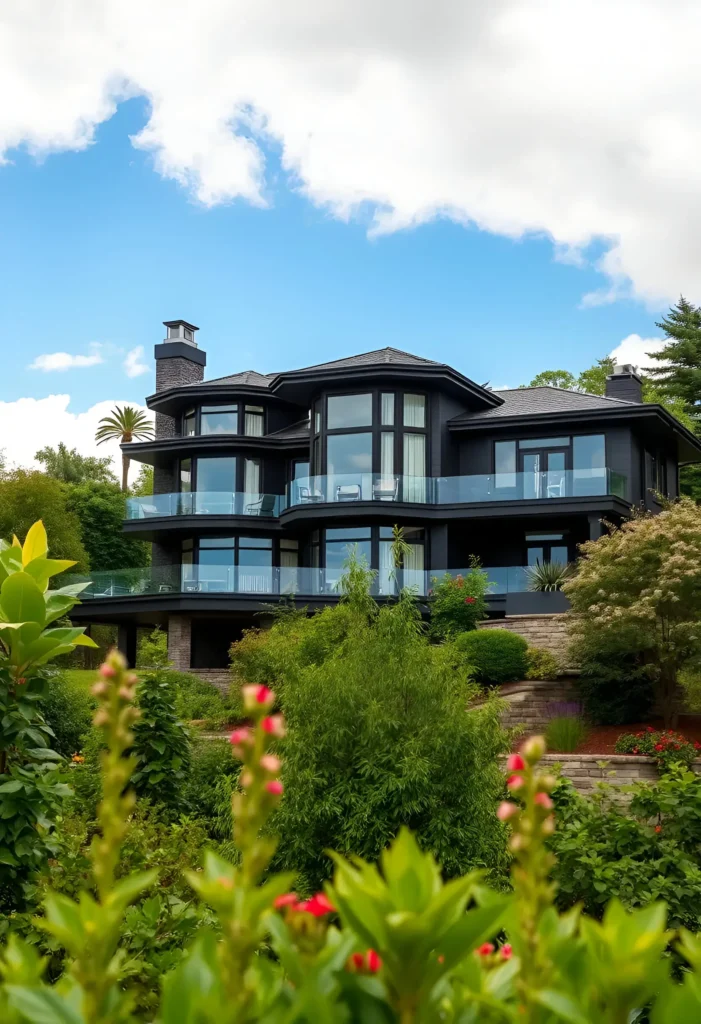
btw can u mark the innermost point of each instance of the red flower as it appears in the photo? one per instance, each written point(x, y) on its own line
point(355, 963)
point(239, 736)
point(650, 729)
point(469, 600)
point(658, 828)
point(506, 810)
point(373, 961)
point(486, 949)
point(543, 800)
point(514, 782)
point(274, 725)
point(636, 750)
point(506, 951)
point(659, 746)
point(317, 906)
point(515, 763)
point(288, 899)
point(275, 787)
point(697, 745)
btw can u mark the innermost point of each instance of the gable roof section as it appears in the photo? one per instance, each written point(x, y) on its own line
point(251, 378)
point(380, 356)
point(540, 401)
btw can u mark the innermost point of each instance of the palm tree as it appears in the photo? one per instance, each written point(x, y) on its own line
point(124, 425)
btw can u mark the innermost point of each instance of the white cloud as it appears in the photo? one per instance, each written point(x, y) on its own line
point(29, 424)
point(635, 350)
point(575, 120)
point(134, 365)
point(59, 361)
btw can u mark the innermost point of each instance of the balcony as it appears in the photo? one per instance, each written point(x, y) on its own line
point(213, 503)
point(456, 490)
point(266, 581)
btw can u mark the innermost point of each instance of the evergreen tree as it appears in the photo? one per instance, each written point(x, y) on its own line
point(71, 467)
point(680, 378)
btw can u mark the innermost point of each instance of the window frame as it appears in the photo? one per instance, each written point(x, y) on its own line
point(239, 404)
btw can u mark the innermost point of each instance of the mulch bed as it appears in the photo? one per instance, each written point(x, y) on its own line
point(601, 739)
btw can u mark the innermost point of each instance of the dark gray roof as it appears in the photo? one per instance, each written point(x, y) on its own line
point(540, 400)
point(394, 356)
point(298, 429)
point(250, 377)
point(378, 355)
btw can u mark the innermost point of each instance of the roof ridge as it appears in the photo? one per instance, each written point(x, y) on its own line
point(566, 391)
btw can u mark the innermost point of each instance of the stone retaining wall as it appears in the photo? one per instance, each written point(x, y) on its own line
point(529, 701)
point(547, 631)
point(219, 677)
point(586, 770)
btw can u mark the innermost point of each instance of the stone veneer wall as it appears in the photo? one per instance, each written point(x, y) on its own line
point(586, 770)
point(179, 642)
point(529, 702)
point(547, 631)
point(173, 372)
point(219, 677)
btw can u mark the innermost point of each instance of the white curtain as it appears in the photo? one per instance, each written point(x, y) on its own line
point(253, 426)
point(414, 467)
point(387, 419)
point(414, 567)
point(387, 456)
point(251, 476)
point(289, 558)
point(414, 411)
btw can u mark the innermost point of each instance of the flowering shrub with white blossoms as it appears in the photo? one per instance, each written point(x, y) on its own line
point(390, 942)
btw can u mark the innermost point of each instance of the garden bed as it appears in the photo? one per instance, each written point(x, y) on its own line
point(601, 739)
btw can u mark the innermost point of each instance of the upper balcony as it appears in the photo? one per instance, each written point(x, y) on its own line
point(319, 496)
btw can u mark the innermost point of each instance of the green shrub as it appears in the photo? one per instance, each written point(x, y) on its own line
point(495, 655)
point(211, 763)
point(542, 664)
point(565, 733)
point(68, 708)
point(665, 747)
point(161, 743)
point(379, 737)
point(198, 700)
point(615, 690)
point(638, 854)
point(152, 650)
point(458, 602)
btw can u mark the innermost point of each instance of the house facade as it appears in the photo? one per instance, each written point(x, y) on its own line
point(263, 484)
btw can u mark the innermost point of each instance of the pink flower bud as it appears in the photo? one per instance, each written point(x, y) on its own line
point(515, 782)
point(506, 951)
point(274, 725)
point(548, 826)
point(275, 787)
point(506, 810)
point(107, 672)
point(246, 779)
point(288, 899)
point(544, 801)
point(486, 949)
point(373, 962)
point(318, 906)
point(515, 763)
point(271, 763)
point(533, 749)
point(239, 737)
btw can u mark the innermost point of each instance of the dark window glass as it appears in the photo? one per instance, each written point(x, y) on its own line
point(349, 454)
point(349, 533)
point(186, 475)
point(589, 451)
point(558, 554)
point(505, 463)
point(219, 419)
point(189, 423)
point(535, 555)
point(545, 442)
point(348, 411)
point(338, 551)
point(217, 542)
point(216, 474)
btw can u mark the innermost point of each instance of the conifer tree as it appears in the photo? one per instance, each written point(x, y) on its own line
point(680, 377)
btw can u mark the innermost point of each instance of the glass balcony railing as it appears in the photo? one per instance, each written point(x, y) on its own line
point(213, 503)
point(263, 581)
point(458, 490)
point(421, 490)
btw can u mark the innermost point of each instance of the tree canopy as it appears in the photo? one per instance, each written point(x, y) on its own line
point(679, 376)
point(100, 508)
point(71, 467)
point(29, 495)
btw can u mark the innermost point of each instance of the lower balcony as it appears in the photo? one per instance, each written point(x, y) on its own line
point(274, 581)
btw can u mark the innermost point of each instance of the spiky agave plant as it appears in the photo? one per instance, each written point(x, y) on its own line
point(548, 576)
point(124, 424)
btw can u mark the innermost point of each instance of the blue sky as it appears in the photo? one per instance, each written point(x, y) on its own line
point(100, 249)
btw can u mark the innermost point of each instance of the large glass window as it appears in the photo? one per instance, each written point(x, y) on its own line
point(217, 557)
point(505, 464)
point(348, 411)
point(189, 422)
point(216, 474)
point(414, 411)
point(219, 419)
point(414, 467)
point(253, 421)
point(589, 464)
point(341, 542)
point(349, 454)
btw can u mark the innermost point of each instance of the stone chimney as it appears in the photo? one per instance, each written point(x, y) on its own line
point(178, 362)
point(624, 383)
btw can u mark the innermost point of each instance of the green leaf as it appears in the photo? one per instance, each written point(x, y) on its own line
point(42, 1006)
point(13, 786)
point(36, 544)
point(42, 569)
point(21, 600)
point(561, 1005)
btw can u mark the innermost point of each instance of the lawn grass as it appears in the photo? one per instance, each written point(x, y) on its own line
point(80, 676)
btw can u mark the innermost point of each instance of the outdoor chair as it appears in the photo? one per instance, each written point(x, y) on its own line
point(264, 506)
point(308, 495)
point(385, 489)
point(348, 492)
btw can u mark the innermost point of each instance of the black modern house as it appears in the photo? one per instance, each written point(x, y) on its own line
point(264, 482)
